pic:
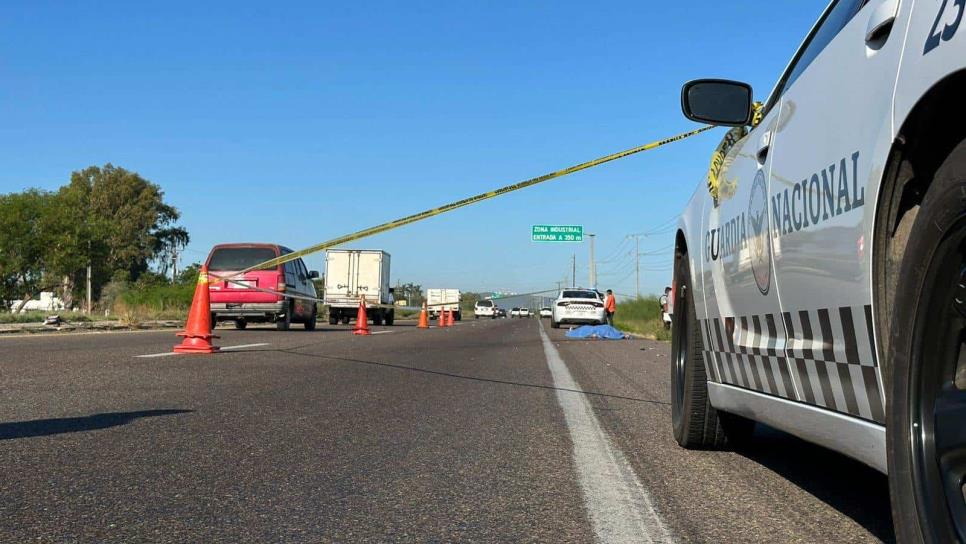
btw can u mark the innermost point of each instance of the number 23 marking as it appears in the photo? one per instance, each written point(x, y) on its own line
point(935, 38)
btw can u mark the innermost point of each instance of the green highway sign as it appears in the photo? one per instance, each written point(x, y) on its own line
point(557, 233)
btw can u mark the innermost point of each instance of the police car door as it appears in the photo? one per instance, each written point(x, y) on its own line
point(743, 330)
point(834, 132)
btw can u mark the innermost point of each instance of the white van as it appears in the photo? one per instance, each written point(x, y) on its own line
point(484, 308)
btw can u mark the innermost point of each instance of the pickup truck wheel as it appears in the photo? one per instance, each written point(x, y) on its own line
point(926, 364)
point(311, 322)
point(696, 424)
point(283, 323)
point(333, 319)
point(390, 318)
point(240, 324)
point(377, 318)
point(554, 324)
point(345, 320)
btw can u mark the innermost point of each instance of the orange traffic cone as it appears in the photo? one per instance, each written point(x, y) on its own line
point(449, 320)
point(197, 334)
point(442, 318)
point(362, 319)
point(423, 318)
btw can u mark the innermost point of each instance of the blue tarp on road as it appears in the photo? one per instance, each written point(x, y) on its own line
point(596, 331)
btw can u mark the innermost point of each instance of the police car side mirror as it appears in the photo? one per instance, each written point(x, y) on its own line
point(313, 274)
point(717, 102)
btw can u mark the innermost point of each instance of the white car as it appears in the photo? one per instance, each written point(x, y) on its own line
point(819, 278)
point(546, 312)
point(578, 306)
point(515, 312)
point(484, 308)
point(524, 312)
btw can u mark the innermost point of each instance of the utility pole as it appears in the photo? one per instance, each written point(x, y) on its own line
point(637, 260)
point(174, 264)
point(573, 264)
point(593, 265)
point(89, 306)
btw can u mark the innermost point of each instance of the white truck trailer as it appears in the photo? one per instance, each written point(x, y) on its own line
point(353, 274)
point(444, 299)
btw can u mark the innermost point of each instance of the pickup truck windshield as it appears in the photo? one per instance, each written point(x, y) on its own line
point(485, 303)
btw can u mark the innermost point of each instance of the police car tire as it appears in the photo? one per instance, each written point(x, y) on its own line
point(696, 424)
point(942, 207)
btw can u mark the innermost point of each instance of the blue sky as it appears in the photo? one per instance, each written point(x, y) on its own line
point(299, 122)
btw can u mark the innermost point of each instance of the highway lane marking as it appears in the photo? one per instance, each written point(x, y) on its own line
point(382, 332)
point(223, 348)
point(619, 507)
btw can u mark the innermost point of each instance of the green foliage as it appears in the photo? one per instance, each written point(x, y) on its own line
point(189, 275)
point(108, 217)
point(159, 298)
point(642, 316)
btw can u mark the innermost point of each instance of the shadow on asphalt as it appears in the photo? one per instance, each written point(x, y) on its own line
point(46, 427)
point(291, 351)
point(852, 488)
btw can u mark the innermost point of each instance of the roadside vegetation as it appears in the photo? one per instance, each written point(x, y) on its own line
point(642, 316)
point(107, 217)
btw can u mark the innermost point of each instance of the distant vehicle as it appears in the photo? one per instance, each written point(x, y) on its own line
point(515, 312)
point(243, 303)
point(444, 299)
point(484, 308)
point(578, 306)
point(501, 312)
point(546, 311)
point(354, 274)
point(524, 312)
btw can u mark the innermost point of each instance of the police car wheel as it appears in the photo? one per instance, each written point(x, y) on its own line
point(926, 434)
point(696, 424)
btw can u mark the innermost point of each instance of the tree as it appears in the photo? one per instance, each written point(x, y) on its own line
point(24, 239)
point(120, 222)
point(107, 217)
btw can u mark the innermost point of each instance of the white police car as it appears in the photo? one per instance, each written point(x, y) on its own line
point(820, 285)
point(578, 306)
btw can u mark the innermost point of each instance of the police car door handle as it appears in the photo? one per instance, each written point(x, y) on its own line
point(763, 146)
point(880, 23)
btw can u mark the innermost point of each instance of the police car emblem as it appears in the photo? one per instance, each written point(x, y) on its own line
point(758, 242)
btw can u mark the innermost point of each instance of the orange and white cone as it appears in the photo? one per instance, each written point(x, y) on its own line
point(362, 319)
point(450, 320)
point(423, 318)
point(197, 334)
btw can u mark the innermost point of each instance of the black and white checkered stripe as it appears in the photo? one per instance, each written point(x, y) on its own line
point(824, 357)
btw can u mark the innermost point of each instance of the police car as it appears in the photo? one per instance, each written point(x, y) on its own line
point(820, 279)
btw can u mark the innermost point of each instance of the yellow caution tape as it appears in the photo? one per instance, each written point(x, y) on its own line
point(461, 203)
point(719, 158)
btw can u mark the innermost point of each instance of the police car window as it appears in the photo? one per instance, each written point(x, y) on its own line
point(834, 21)
point(579, 294)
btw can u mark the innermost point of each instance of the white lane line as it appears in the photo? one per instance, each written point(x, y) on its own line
point(243, 346)
point(619, 507)
point(382, 332)
point(223, 348)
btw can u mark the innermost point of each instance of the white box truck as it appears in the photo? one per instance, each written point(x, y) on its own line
point(444, 299)
point(353, 274)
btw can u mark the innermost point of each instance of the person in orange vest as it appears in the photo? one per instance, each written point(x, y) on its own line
point(610, 306)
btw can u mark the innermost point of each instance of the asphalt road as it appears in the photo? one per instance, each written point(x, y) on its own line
point(480, 433)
